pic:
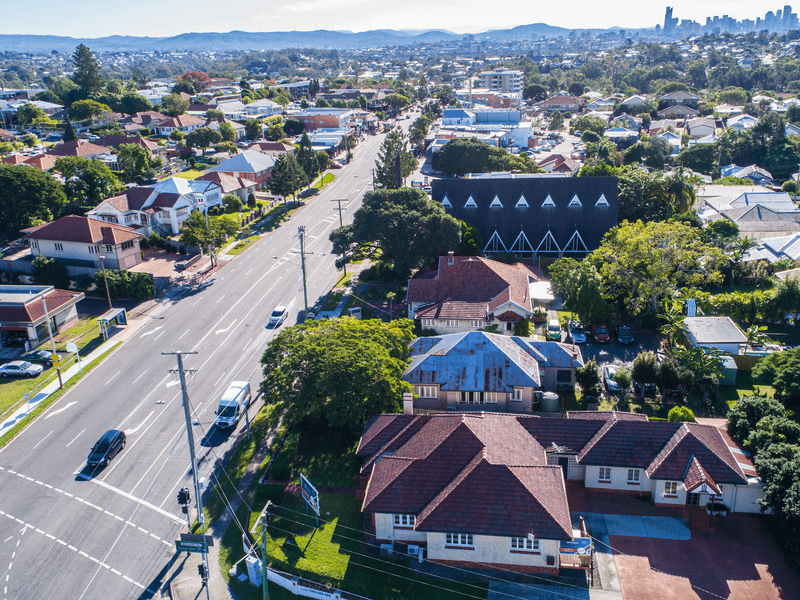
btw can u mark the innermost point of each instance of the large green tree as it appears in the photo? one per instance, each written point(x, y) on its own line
point(410, 229)
point(87, 73)
point(86, 109)
point(203, 138)
point(580, 287)
point(135, 162)
point(208, 233)
point(86, 181)
point(287, 176)
point(26, 196)
point(393, 145)
point(339, 371)
point(253, 129)
point(173, 105)
point(460, 156)
point(781, 370)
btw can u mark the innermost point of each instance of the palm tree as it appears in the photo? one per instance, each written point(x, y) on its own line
point(755, 336)
point(680, 186)
point(674, 318)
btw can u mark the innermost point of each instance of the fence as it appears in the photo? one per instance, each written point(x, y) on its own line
point(308, 589)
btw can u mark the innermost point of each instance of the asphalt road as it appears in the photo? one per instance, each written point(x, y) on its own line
point(71, 531)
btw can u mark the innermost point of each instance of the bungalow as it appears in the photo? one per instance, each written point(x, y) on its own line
point(673, 139)
point(634, 101)
point(681, 97)
point(701, 127)
point(601, 104)
point(79, 148)
point(678, 111)
point(23, 319)
point(477, 370)
point(489, 488)
point(631, 122)
point(115, 141)
point(182, 123)
point(250, 165)
point(79, 243)
point(714, 332)
point(742, 122)
point(238, 186)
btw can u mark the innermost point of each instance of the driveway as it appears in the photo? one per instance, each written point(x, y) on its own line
point(665, 528)
point(620, 354)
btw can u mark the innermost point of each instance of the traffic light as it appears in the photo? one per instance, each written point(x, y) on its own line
point(183, 499)
point(201, 569)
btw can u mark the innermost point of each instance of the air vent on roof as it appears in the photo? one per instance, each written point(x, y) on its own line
point(575, 202)
point(446, 202)
point(548, 201)
point(601, 201)
point(471, 203)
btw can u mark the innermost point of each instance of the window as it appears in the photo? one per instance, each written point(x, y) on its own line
point(94, 249)
point(458, 539)
point(182, 211)
point(490, 397)
point(426, 391)
point(516, 395)
point(427, 322)
point(404, 520)
point(59, 247)
point(633, 476)
point(34, 244)
point(126, 245)
point(452, 322)
point(563, 376)
point(575, 202)
point(109, 248)
point(605, 475)
point(478, 323)
point(671, 488)
point(524, 544)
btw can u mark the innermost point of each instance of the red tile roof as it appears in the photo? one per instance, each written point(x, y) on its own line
point(14, 159)
point(182, 121)
point(115, 141)
point(84, 149)
point(33, 310)
point(470, 287)
point(75, 228)
point(131, 199)
point(43, 162)
point(696, 476)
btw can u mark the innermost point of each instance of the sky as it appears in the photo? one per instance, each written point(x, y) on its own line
point(161, 18)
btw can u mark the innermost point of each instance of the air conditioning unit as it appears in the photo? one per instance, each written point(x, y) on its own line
point(413, 550)
point(387, 548)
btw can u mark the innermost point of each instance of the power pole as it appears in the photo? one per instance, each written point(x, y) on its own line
point(190, 435)
point(52, 341)
point(301, 231)
point(105, 279)
point(341, 224)
point(264, 566)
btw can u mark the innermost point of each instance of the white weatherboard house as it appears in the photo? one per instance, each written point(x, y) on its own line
point(489, 488)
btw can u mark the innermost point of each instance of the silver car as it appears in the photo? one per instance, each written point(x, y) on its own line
point(608, 379)
point(20, 368)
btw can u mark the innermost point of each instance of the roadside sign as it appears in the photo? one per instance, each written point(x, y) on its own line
point(310, 495)
point(182, 546)
point(55, 359)
point(196, 537)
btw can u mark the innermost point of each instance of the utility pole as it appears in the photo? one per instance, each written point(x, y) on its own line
point(264, 567)
point(301, 231)
point(52, 341)
point(190, 435)
point(105, 279)
point(341, 224)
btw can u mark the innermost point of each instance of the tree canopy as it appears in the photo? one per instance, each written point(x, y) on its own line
point(410, 229)
point(135, 162)
point(339, 371)
point(173, 105)
point(87, 73)
point(460, 156)
point(287, 176)
point(393, 145)
point(195, 232)
point(579, 285)
point(27, 196)
point(203, 137)
point(781, 370)
point(86, 181)
point(86, 109)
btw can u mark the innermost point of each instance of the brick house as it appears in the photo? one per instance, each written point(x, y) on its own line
point(249, 164)
point(324, 118)
point(182, 123)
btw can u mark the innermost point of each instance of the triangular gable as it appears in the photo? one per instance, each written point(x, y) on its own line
point(576, 244)
point(495, 244)
point(471, 203)
point(521, 203)
point(522, 245)
point(601, 201)
point(548, 243)
point(575, 202)
point(446, 202)
point(548, 201)
point(496, 202)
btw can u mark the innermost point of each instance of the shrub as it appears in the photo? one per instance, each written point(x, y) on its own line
point(681, 414)
point(232, 203)
point(748, 411)
point(46, 271)
point(124, 284)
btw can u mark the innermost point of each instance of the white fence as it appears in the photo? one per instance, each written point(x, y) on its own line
point(308, 589)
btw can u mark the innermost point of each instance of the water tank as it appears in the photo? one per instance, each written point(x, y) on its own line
point(550, 402)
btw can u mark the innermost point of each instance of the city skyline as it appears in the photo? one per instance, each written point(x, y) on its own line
point(110, 18)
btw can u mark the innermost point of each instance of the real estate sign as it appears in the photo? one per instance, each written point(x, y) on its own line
point(310, 494)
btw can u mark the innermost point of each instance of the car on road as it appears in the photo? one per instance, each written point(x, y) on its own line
point(624, 334)
point(601, 334)
point(20, 368)
point(107, 447)
point(577, 333)
point(44, 357)
point(278, 316)
point(609, 372)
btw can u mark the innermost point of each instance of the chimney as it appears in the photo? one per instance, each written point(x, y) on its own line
point(450, 258)
point(408, 403)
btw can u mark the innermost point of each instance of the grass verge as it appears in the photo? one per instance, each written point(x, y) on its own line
point(87, 368)
point(245, 243)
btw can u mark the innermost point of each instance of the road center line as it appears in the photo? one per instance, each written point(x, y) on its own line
point(183, 334)
point(43, 439)
point(75, 438)
point(139, 377)
point(112, 378)
point(142, 423)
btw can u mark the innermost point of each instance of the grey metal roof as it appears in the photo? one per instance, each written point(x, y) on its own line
point(714, 330)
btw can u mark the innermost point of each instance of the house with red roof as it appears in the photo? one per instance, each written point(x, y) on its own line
point(467, 293)
point(79, 148)
point(78, 243)
point(23, 318)
point(182, 123)
point(490, 488)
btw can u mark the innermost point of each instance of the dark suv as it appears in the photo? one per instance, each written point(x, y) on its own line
point(106, 448)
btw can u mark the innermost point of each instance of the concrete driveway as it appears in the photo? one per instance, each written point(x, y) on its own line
point(665, 528)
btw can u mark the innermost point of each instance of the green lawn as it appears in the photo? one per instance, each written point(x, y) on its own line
point(242, 245)
point(744, 387)
point(325, 456)
point(190, 174)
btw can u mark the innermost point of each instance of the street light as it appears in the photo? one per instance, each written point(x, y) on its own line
point(105, 279)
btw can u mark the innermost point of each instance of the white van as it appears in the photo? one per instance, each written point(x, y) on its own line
point(233, 404)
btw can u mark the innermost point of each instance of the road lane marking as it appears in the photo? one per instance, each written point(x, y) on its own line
point(142, 423)
point(248, 273)
point(220, 378)
point(60, 410)
point(219, 299)
point(218, 331)
point(152, 331)
point(131, 497)
point(196, 301)
point(112, 378)
point(159, 335)
point(139, 377)
point(40, 441)
point(73, 439)
point(183, 334)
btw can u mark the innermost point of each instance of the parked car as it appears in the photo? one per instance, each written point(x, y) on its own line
point(577, 333)
point(553, 331)
point(107, 447)
point(624, 334)
point(44, 357)
point(649, 388)
point(601, 334)
point(20, 368)
point(278, 316)
point(609, 371)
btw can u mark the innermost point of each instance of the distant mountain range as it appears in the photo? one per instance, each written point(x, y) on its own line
point(273, 40)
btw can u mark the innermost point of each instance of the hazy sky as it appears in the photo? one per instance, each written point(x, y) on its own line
point(98, 18)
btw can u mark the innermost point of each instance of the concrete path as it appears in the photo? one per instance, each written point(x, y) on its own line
point(665, 528)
